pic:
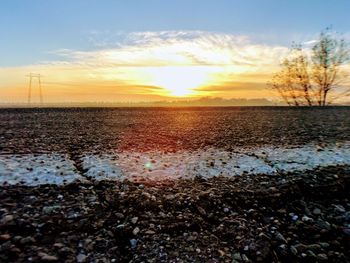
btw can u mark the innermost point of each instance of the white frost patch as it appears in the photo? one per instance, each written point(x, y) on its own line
point(30, 169)
point(158, 166)
point(305, 158)
point(102, 167)
point(155, 166)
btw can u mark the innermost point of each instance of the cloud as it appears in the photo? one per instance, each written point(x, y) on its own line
point(179, 48)
point(155, 64)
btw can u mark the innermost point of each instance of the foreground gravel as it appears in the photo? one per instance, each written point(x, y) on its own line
point(284, 218)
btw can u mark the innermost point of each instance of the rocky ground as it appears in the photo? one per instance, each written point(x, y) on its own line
point(80, 130)
point(283, 218)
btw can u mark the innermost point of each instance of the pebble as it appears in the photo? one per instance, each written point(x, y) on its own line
point(314, 247)
point(49, 209)
point(300, 247)
point(150, 232)
point(307, 219)
point(5, 237)
point(58, 245)
point(316, 211)
point(134, 220)
point(294, 250)
point(81, 258)
point(280, 237)
point(45, 257)
point(295, 217)
point(136, 231)
point(245, 258)
point(237, 256)
point(7, 219)
point(121, 226)
point(310, 253)
point(27, 240)
point(201, 211)
point(323, 225)
point(221, 252)
point(133, 243)
point(324, 245)
point(339, 209)
point(119, 215)
point(322, 257)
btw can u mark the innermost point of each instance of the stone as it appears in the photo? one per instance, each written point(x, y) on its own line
point(81, 258)
point(136, 231)
point(324, 245)
point(307, 219)
point(294, 217)
point(316, 211)
point(46, 257)
point(170, 197)
point(27, 240)
point(310, 254)
point(323, 224)
point(245, 258)
point(237, 256)
point(339, 209)
point(293, 250)
point(314, 247)
point(119, 216)
point(221, 253)
point(7, 219)
point(300, 247)
point(133, 243)
point(134, 220)
point(201, 211)
point(150, 232)
point(5, 237)
point(280, 237)
point(322, 257)
point(49, 209)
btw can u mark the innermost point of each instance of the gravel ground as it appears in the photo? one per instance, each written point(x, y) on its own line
point(290, 218)
point(167, 129)
point(286, 217)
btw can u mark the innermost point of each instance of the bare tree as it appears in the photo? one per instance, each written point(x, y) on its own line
point(292, 82)
point(308, 79)
point(328, 54)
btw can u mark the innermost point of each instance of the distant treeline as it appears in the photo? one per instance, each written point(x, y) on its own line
point(206, 101)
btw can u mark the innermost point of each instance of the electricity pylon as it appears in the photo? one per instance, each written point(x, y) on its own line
point(31, 77)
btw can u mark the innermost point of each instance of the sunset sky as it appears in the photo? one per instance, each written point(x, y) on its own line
point(135, 50)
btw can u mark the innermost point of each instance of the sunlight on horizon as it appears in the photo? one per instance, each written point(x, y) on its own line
point(178, 81)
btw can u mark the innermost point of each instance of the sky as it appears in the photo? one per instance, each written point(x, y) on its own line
point(101, 50)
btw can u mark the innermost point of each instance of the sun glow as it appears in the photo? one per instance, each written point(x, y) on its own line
point(179, 81)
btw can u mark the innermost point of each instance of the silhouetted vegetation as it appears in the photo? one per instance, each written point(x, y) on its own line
point(309, 76)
